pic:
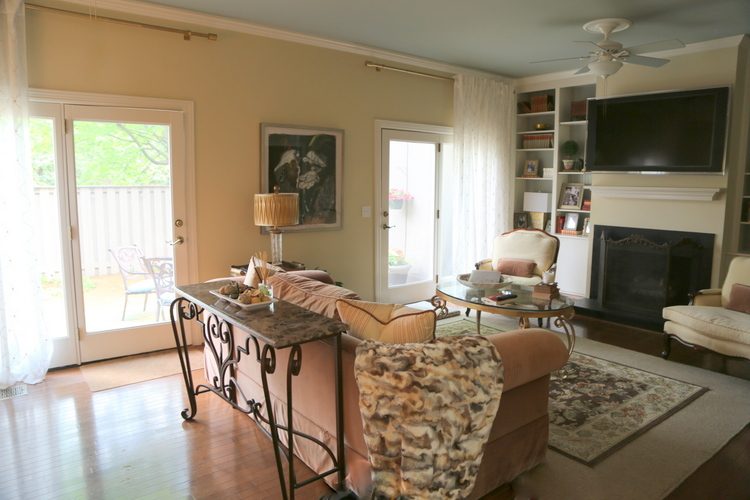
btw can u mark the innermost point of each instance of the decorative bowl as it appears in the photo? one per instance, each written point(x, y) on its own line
point(464, 280)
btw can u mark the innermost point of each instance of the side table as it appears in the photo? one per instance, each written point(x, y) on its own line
point(269, 335)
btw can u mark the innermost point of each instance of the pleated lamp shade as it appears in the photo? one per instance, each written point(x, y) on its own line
point(276, 209)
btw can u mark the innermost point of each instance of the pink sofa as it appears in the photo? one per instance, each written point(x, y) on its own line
point(518, 440)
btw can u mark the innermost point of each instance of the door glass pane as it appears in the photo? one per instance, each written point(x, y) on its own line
point(124, 216)
point(47, 221)
point(411, 208)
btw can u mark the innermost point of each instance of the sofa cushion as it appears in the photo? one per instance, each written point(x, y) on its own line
point(516, 267)
point(392, 323)
point(714, 322)
point(739, 298)
point(309, 293)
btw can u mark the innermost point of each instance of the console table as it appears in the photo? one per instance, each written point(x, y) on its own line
point(279, 326)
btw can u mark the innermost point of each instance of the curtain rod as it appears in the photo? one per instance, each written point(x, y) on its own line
point(186, 34)
point(378, 67)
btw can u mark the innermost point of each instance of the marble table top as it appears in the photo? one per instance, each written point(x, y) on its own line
point(281, 324)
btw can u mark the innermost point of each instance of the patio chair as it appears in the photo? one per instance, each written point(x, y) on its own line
point(162, 273)
point(136, 279)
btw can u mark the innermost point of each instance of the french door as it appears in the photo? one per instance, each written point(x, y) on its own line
point(109, 199)
point(407, 223)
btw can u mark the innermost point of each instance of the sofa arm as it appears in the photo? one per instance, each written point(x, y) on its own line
point(529, 354)
point(707, 297)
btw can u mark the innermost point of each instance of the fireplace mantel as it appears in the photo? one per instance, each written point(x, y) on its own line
point(657, 193)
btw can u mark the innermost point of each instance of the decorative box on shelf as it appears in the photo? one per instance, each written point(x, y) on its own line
point(546, 291)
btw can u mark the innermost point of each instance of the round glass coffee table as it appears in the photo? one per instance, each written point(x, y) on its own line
point(524, 306)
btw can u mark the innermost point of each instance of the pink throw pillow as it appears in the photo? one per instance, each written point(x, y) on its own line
point(739, 298)
point(516, 267)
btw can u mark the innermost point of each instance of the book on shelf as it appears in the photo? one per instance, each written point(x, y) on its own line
point(577, 111)
point(537, 141)
point(571, 232)
point(586, 205)
point(559, 224)
point(542, 103)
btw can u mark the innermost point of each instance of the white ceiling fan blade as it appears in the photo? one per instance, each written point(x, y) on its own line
point(653, 62)
point(583, 70)
point(579, 58)
point(656, 46)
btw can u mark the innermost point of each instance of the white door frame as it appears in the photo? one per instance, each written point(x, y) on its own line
point(380, 126)
point(186, 109)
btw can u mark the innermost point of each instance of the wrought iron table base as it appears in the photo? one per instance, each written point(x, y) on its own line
point(218, 335)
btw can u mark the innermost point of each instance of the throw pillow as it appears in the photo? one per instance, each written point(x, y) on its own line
point(516, 267)
point(427, 411)
point(739, 298)
point(309, 293)
point(392, 323)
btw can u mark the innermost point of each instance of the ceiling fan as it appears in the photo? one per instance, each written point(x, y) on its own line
point(609, 54)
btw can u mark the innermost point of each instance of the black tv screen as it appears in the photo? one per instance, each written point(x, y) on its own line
point(664, 132)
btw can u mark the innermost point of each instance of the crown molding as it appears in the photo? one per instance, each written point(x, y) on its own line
point(161, 12)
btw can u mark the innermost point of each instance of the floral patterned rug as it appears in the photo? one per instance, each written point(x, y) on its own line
point(598, 406)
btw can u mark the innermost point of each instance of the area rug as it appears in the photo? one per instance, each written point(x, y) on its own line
point(662, 456)
point(597, 406)
point(104, 375)
point(463, 326)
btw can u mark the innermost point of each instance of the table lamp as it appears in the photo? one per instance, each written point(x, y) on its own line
point(275, 210)
point(537, 204)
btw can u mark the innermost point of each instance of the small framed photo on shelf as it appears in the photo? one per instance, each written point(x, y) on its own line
point(531, 168)
point(571, 196)
point(520, 220)
point(587, 225)
point(571, 223)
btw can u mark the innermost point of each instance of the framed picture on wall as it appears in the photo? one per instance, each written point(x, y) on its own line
point(307, 161)
point(571, 196)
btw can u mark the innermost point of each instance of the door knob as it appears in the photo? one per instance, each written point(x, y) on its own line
point(386, 226)
point(179, 241)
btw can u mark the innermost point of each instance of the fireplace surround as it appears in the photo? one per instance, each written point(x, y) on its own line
point(637, 272)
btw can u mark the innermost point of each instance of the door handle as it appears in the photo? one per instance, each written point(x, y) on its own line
point(179, 241)
point(386, 226)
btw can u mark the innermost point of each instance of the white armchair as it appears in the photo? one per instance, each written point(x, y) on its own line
point(707, 322)
point(533, 245)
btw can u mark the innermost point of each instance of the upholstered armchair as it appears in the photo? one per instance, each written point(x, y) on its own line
point(522, 255)
point(718, 319)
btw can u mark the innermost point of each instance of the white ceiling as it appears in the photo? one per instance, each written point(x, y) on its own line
point(499, 36)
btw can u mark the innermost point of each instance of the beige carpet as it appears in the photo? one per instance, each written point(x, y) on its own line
point(104, 375)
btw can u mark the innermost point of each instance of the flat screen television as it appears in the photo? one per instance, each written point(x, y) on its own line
point(662, 132)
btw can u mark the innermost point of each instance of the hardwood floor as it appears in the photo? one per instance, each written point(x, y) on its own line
point(63, 441)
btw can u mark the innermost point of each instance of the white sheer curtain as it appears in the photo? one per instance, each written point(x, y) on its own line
point(478, 183)
point(25, 349)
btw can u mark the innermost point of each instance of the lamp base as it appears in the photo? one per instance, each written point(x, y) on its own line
point(275, 246)
point(538, 219)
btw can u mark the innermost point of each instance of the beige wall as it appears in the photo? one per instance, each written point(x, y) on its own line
point(706, 69)
point(236, 84)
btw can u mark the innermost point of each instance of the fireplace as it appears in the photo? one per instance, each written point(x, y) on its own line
point(637, 272)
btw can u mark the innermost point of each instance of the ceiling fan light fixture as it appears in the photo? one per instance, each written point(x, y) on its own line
point(605, 68)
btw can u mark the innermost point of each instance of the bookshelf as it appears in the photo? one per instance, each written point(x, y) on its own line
point(564, 120)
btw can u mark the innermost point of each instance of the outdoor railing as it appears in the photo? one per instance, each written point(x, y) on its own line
point(109, 217)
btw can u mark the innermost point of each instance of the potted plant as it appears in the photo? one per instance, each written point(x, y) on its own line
point(398, 267)
point(397, 197)
point(568, 150)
